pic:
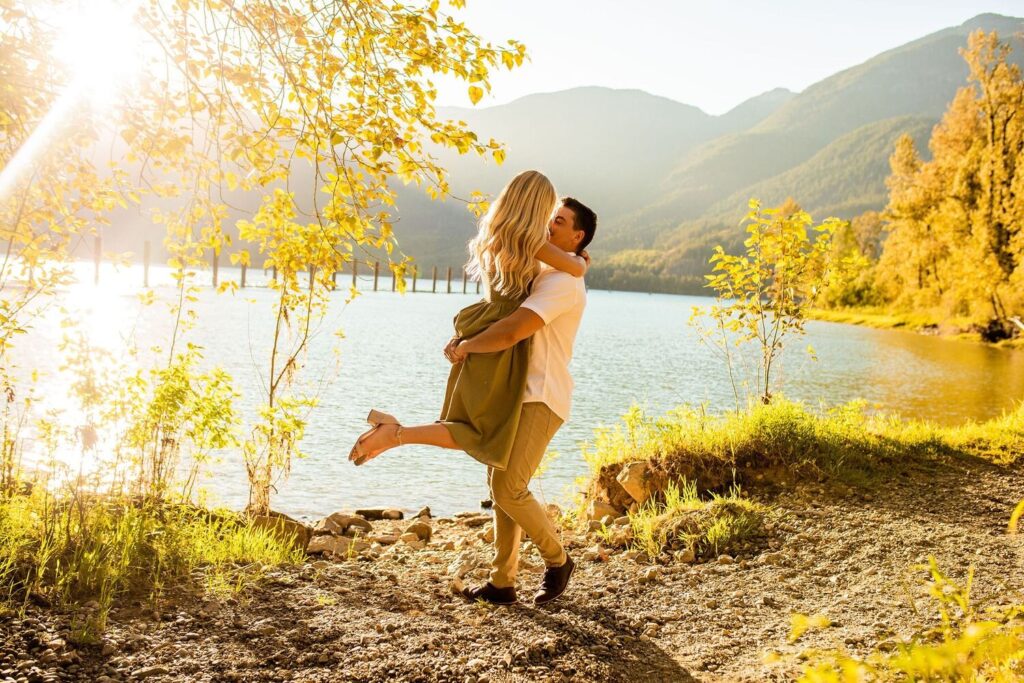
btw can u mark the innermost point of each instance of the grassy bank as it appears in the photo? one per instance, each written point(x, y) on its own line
point(847, 441)
point(93, 551)
point(688, 451)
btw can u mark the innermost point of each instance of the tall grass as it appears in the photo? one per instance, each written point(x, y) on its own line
point(105, 548)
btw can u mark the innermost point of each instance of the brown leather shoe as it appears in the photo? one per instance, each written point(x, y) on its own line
point(488, 592)
point(554, 583)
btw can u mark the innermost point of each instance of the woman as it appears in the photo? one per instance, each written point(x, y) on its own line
point(484, 393)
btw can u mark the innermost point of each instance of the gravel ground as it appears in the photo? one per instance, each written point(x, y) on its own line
point(846, 554)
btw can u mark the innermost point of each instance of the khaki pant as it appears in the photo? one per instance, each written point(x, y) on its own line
point(515, 508)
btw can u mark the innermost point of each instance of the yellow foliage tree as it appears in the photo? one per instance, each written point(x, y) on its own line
point(236, 96)
point(955, 222)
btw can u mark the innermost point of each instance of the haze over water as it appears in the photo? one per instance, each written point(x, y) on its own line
point(631, 348)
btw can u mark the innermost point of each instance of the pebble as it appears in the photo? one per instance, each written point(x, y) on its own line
point(650, 575)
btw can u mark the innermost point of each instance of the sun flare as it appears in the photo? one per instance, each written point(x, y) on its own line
point(102, 46)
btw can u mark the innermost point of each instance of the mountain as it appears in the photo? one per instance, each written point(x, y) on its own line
point(668, 180)
point(917, 79)
point(611, 148)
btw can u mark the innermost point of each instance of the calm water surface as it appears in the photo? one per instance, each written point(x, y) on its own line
point(631, 348)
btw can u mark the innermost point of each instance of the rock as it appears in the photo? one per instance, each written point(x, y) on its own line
point(462, 565)
point(475, 521)
point(650, 575)
point(148, 671)
point(632, 555)
point(109, 649)
point(621, 521)
point(337, 546)
point(475, 665)
point(423, 513)
point(340, 523)
point(486, 503)
point(448, 545)
point(376, 514)
point(385, 539)
point(651, 630)
point(554, 512)
point(421, 529)
point(726, 559)
point(595, 525)
point(686, 556)
point(634, 478)
point(596, 554)
point(284, 528)
point(599, 510)
point(412, 540)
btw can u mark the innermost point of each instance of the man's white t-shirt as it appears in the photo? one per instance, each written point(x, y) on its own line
point(558, 298)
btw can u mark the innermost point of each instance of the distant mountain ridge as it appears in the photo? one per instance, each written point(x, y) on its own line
point(669, 180)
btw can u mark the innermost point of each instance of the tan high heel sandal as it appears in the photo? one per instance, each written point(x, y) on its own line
point(377, 419)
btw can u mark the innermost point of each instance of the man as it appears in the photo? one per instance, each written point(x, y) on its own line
point(551, 316)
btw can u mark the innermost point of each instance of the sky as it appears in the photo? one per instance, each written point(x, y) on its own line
point(712, 54)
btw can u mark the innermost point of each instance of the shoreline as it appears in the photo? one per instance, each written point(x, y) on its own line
point(831, 550)
point(951, 329)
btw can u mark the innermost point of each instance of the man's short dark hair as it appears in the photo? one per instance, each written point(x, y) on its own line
point(586, 220)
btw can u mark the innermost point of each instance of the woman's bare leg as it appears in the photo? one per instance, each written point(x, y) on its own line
point(385, 437)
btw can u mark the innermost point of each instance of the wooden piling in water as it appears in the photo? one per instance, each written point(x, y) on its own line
point(145, 264)
point(449, 279)
point(273, 273)
point(376, 274)
point(415, 274)
point(394, 280)
point(312, 276)
point(355, 271)
point(243, 274)
point(464, 279)
point(433, 287)
point(97, 254)
point(216, 265)
point(477, 286)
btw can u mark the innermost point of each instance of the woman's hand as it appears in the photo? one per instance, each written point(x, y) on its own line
point(458, 352)
point(586, 257)
point(449, 350)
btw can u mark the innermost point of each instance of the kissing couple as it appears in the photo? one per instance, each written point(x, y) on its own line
point(509, 389)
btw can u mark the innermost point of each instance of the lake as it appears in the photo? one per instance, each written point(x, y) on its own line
point(632, 348)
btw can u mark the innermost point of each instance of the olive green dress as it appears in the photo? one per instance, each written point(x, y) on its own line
point(485, 392)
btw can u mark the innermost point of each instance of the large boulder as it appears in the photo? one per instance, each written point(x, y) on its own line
point(284, 528)
point(635, 479)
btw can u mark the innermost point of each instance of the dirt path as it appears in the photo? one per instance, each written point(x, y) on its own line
point(841, 553)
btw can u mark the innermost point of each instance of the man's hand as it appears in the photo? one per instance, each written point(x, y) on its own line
point(449, 350)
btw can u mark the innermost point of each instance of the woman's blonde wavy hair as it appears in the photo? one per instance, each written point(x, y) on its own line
point(504, 252)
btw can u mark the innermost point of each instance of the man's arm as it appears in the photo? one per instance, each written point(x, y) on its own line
point(503, 334)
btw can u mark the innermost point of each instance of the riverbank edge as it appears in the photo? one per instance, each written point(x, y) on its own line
point(950, 328)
